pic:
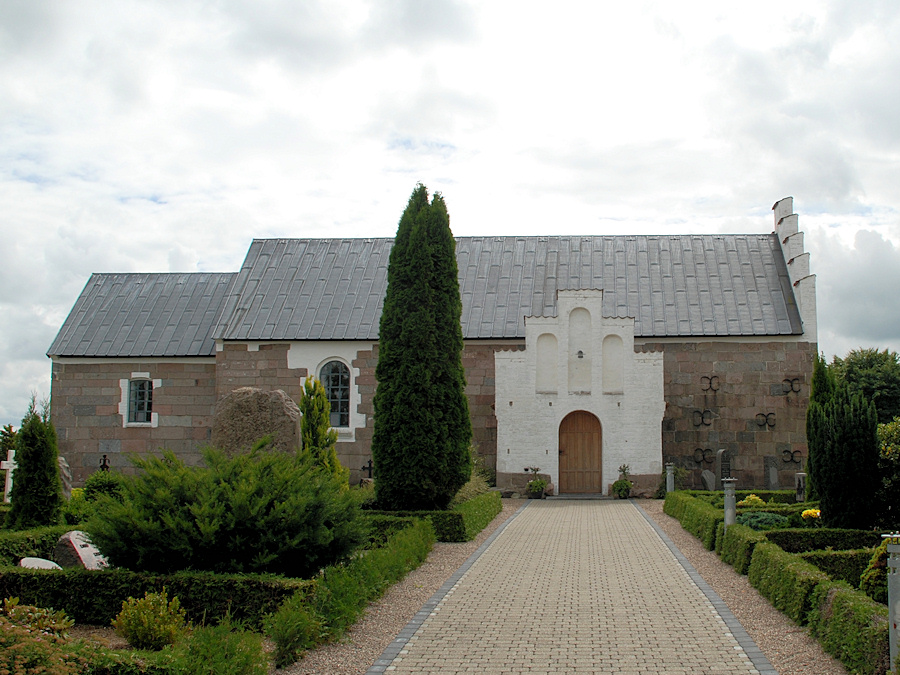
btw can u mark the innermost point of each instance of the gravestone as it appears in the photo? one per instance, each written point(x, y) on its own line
point(65, 476)
point(249, 413)
point(709, 480)
point(74, 549)
point(38, 564)
point(723, 467)
point(9, 466)
point(800, 487)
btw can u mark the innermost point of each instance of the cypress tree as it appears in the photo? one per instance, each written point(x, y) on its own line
point(422, 427)
point(36, 492)
point(849, 477)
point(821, 392)
point(316, 434)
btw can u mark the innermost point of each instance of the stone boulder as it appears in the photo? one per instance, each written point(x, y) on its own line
point(74, 549)
point(249, 413)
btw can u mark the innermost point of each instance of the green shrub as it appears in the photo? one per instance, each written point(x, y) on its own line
point(151, 622)
point(873, 580)
point(847, 566)
point(382, 526)
point(46, 621)
point(36, 493)
point(702, 520)
point(737, 544)
point(477, 485)
point(761, 520)
point(851, 627)
point(95, 597)
point(77, 509)
point(341, 594)
point(676, 502)
point(224, 649)
point(36, 543)
point(800, 540)
point(106, 483)
point(478, 512)
point(622, 488)
point(256, 512)
point(24, 651)
point(784, 579)
point(294, 628)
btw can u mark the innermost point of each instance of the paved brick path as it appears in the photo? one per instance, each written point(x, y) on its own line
point(573, 587)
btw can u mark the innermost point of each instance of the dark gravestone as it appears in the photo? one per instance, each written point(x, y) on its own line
point(723, 467)
point(709, 480)
point(74, 549)
point(800, 487)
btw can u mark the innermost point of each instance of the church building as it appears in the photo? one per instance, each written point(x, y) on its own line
point(582, 353)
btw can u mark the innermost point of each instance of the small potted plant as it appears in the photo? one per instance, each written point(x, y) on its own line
point(536, 485)
point(622, 487)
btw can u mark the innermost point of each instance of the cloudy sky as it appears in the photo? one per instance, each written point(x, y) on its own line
point(164, 136)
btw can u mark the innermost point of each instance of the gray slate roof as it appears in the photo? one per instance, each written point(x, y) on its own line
point(144, 315)
point(333, 289)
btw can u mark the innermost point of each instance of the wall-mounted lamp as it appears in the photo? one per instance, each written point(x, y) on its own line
point(580, 354)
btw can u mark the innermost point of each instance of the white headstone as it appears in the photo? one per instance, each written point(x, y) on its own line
point(8, 465)
point(38, 564)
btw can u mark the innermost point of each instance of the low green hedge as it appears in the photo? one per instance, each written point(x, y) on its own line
point(676, 502)
point(784, 579)
point(846, 566)
point(35, 543)
point(851, 627)
point(343, 592)
point(95, 597)
point(463, 522)
point(479, 511)
point(775, 496)
point(735, 545)
point(382, 526)
point(800, 540)
point(696, 516)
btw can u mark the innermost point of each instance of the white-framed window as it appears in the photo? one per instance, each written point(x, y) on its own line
point(140, 401)
point(335, 377)
point(136, 403)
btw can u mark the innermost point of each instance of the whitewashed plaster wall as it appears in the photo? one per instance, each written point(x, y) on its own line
point(314, 354)
point(538, 387)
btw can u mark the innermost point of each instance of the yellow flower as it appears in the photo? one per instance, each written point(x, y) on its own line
point(811, 513)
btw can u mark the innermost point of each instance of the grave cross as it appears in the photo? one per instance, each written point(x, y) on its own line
point(8, 465)
point(367, 468)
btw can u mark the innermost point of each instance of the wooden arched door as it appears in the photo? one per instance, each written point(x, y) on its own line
point(580, 453)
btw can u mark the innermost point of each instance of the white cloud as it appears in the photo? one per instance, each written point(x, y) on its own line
point(155, 136)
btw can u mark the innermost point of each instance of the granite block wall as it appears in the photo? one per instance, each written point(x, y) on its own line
point(85, 411)
point(749, 398)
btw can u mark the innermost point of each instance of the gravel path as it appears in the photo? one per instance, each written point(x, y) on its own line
point(786, 645)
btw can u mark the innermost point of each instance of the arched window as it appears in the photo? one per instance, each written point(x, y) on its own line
point(335, 377)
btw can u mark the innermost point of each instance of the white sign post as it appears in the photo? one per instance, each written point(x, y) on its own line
point(8, 465)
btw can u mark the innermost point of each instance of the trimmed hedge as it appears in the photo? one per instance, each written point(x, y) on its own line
point(381, 526)
point(95, 597)
point(479, 511)
point(800, 540)
point(35, 543)
point(736, 544)
point(778, 496)
point(343, 592)
point(851, 627)
point(463, 522)
point(847, 566)
point(696, 516)
point(784, 579)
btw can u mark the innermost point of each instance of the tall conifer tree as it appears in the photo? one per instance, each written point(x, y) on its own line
point(821, 392)
point(420, 444)
point(316, 434)
point(848, 473)
point(36, 491)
